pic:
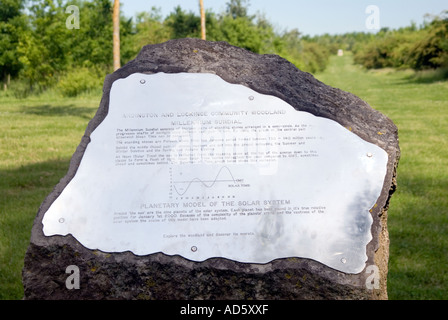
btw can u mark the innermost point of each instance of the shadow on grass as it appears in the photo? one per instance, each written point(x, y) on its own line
point(409, 76)
point(429, 76)
point(22, 190)
point(59, 111)
point(421, 77)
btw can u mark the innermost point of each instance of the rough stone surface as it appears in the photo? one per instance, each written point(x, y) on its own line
point(158, 276)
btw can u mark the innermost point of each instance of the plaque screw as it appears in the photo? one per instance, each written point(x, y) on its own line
point(251, 98)
point(194, 248)
point(343, 260)
point(143, 81)
point(61, 220)
point(369, 154)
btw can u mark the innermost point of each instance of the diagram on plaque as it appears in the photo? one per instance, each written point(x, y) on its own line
point(209, 184)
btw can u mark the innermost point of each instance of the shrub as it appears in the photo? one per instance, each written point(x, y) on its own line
point(419, 49)
point(77, 81)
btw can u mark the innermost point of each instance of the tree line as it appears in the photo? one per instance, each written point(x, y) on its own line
point(418, 48)
point(39, 51)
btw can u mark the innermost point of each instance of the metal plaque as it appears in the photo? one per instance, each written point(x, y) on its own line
point(188, 164)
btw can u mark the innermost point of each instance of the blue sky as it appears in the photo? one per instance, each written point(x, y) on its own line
point(311, 17)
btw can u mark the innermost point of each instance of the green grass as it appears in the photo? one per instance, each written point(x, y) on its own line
point(418, 214)
point(38, 135)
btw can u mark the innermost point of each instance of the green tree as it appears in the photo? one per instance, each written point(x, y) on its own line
point(91, 45)
point(48, 50)
point(42, 48)
point(90, 54)
point(241, 32)
point(183, 24)
point(408, 47)
point(237, 9)
point(149, 29)
point(238, 28)
point(431, 51)
point(305, 53)
point(12, 25)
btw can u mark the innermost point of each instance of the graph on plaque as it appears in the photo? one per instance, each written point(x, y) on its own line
point(202, 182)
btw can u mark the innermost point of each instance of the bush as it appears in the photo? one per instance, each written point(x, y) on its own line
point(77, 81)
point(419, 49)
point(305, 54)
point(379, 53)
point(431, 51)
point(315, 57)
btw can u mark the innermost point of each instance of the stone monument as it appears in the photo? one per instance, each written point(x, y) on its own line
point(210, 172)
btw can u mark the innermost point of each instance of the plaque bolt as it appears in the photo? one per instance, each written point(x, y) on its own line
point(143, 81)
point(369, 154)
point(251, 98)
point(343, 260)
point(61, 220)
point(194, 248)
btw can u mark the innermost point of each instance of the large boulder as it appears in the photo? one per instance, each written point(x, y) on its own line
point(53, 263)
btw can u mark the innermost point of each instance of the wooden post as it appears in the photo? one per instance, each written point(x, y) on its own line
point(116, 33)
point(201, 5)
point(6, 81)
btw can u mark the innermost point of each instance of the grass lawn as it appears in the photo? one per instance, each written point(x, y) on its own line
point(38, 135)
